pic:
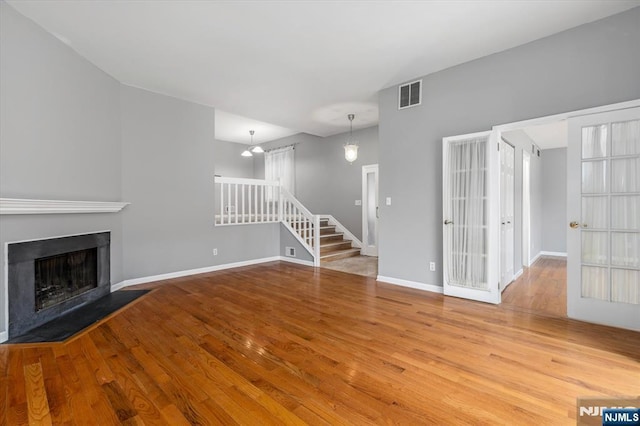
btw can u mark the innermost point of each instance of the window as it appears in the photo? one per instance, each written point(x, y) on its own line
point(279, 165)
point(410, 94)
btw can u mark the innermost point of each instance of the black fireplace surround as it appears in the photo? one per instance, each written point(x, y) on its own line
point(29, 262)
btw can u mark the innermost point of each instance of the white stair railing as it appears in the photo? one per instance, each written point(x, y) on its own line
point(245, 201)
point(241, 201)
point(304, 225)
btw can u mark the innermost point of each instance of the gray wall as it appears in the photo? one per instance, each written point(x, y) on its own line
point(168, 168)
point(288, 240)
point(591, 65)
point(554, 200)
point(325, 182)
point(229, 163)
point(59, 137)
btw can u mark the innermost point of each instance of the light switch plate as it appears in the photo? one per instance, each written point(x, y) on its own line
point(358, 202)
point(388, 201)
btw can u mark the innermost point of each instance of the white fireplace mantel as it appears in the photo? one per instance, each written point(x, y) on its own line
point(27, 206)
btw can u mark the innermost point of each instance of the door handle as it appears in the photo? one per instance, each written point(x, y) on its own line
point(574, 225)
point(448, 222)
point(377, 215)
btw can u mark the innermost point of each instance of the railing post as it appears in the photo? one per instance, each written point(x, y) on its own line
point(280, 201)
point(316, 240)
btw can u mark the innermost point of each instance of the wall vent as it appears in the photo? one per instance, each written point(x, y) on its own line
point(410, 94)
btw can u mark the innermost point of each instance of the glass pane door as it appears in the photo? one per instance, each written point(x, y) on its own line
point(604, 279)
point(471, 213)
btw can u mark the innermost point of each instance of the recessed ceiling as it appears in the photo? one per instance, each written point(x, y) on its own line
point(297, 64)
point(548, 136)
point(235, 128)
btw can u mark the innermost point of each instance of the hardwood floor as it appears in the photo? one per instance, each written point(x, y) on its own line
point(281, 343)
point(542, 288)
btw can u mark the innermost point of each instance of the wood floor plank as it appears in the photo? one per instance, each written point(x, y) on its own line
point(38, 406)
point(286, 344)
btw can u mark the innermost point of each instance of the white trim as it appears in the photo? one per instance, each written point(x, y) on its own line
point(553, 253)
point(297, 261)
point(536, 257)
point(3, 336)
point(28, 206)
point(518, 274)
point(566, 115)
point(515, 277)
point(225, 179)
point(188, 272)
point(411, 284)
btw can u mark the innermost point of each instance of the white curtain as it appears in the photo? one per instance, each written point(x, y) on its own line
point(467, 192)
point(279, 164)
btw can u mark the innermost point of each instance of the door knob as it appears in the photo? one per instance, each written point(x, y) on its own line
point(574, 225)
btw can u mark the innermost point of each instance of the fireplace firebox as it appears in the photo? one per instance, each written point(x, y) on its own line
point(47, 278)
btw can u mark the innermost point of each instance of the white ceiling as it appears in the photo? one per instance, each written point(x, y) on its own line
point(235, 128)
point(302, 66)
point(548, 136)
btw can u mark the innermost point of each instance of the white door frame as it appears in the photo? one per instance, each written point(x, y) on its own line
point(492, 294)
point(367, 249)
point(526, 209)
point(507, 245)
point(560, 117)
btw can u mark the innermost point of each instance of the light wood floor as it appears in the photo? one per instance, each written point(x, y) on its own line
point(542, 288)
point(282, 343)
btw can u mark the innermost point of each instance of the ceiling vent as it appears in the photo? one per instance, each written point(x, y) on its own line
point(410, 94)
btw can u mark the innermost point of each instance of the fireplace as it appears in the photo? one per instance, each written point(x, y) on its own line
point(47, 278)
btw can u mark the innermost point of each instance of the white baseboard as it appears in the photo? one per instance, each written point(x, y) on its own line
point(532, 261)
point(553, 253)
point(411, 284)
point(4, 336)
point(517, 274)
point(178, 274)
point(296, 261)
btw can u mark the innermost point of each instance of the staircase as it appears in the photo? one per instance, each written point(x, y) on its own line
point(247, 201)
point(333, 244)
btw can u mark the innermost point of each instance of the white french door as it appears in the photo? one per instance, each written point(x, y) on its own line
point(507, 188)
point(370, 210)
point(603, 240)
point(471, 214)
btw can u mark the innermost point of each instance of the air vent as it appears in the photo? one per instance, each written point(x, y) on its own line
point(410, 94)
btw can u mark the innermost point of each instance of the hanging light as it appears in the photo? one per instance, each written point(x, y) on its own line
point(351, 147)
point(253, 149)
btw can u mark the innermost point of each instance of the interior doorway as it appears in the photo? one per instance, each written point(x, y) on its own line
point(539, 197)
point(370, 210)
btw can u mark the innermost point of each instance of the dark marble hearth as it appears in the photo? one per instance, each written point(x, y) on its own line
point(78, 319)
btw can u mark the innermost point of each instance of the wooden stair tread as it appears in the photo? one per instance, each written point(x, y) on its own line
point(332, 243)
point(341, 253)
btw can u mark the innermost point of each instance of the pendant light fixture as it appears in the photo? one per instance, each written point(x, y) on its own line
point(351, 147)
point(253, 149)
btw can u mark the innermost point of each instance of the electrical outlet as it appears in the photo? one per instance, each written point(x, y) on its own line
point(291, 251)
point(432, 266)
point(215, 251)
